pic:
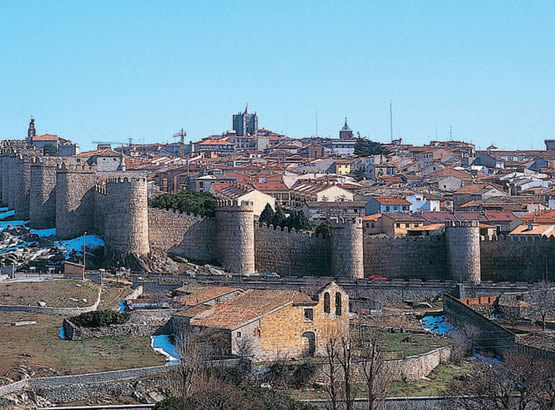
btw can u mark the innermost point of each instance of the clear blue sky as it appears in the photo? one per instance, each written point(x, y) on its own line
point(97, 70)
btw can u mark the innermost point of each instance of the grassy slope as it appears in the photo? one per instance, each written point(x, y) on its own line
point(41, 341)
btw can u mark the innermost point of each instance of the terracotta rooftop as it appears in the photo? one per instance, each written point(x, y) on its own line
point(248, 306)
point(205, 295)
point(541, 217)
point(45, 137)
point(475, 188)
point(547, 230)
point(391, 200)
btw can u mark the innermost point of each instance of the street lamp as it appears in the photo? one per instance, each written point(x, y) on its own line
point(84, 254)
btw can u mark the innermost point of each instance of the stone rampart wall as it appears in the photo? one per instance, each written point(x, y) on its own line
point(183, 234)
point(516, 260)
point(291, 253)
point(406, 258)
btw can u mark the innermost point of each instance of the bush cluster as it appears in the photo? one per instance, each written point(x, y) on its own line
point(200, 203)
point(100, 318)
point(296, 219)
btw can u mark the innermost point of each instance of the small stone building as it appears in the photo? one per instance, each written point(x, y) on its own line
point(269, 324)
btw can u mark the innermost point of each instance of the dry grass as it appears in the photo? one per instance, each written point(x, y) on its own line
point(40, 347)
point(112, 294)
point(56, 293)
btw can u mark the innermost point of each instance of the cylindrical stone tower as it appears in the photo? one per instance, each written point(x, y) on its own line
point(42, 201)
point(463, 250)
point(5, 179)
point(75, 186)
point(126, 218)
point(236, 236)
point(347, 248)
point(11, 177)
point(21, 185)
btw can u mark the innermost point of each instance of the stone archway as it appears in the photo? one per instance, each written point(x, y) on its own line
point(308, 343)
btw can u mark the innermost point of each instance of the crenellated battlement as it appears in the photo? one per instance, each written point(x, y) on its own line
point(300, 233)
point(234, 205)
point(66, 167)
point(516, 238)
point(122, 180)
point(345, 220)
point(404, 239)
point(462, 224)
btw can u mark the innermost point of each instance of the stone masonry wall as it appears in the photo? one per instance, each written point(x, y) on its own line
point(291, 253)
point(75, 202)
point(182, 234)
point(5, 180)
point(406, 258)
point(22, 186)
point(126, 217)
point(463, 250)
point(517, 260)
point(42, 200)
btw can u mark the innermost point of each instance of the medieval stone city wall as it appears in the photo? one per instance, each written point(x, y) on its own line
point(506, 259)
point(419, 258)
point(291, 252)
point(347, 248)
point(126, 217)
point(42, 199)
point(235, 236)
point(183, 234)
point(75, 200)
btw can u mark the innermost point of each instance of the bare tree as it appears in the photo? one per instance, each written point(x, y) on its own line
point(377, 376)
point(191, 369)
point(543, 301)
point(517, 383)
point(463, 340)
point(345, 359)
point(332, 372)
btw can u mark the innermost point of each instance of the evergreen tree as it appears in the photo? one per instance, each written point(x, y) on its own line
point(279, 218)
point(365, 147)
point(267, 215)
point(323, 229)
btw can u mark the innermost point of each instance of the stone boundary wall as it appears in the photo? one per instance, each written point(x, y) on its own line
point(52, 310)
point(183, 234)
point(491, 336)
point(291, 252)
point(390, 291)
point(78, 381)
point(75, 332)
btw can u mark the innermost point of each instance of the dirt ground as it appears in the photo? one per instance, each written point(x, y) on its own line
point(55, 293)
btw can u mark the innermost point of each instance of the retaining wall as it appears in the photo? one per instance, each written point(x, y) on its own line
point(52, 310)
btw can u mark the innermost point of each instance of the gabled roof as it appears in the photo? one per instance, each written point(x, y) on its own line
point(476, 188)
point(249, 306)
point(231, 190)
point(547, 230)
point(206, 295)
point(386, 200)
point(540, 217)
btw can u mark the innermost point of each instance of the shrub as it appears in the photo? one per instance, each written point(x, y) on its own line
point(200, 203)
point(100, 318)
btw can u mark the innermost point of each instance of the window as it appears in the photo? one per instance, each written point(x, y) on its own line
point(308, 315)
point(406, 225)
point(398, 225)
point(387, 208)
point(238, 334)
point(338, 308)
point(326, 302)
point(256, 332)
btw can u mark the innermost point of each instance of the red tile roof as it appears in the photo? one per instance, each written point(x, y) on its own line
point(391, 200)
point(45, 137)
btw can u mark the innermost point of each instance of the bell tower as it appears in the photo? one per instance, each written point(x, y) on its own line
point(31, 132)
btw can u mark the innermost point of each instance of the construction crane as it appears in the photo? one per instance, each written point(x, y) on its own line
point(181, 135)
point(130, 139)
